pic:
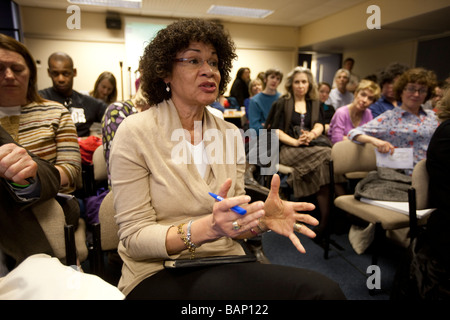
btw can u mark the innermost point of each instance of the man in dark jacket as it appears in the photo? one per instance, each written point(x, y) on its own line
point(85, 110)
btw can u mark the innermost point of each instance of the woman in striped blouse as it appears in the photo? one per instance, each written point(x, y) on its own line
point(42, 127)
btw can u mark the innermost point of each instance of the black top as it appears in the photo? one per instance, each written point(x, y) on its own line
point(21, 235)
point(239, 90)
point(85, 109)
point(282, 116)
point(328, 112)
point(438, 166)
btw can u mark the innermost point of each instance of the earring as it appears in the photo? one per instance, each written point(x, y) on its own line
point(167, 87)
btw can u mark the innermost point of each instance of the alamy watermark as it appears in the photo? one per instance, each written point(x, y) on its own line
point(228, 147)
point(74, 20)
point(374, 280)
point(374, 21)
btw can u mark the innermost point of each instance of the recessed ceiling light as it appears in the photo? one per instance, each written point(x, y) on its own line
point(240, 12)
point(135, 4)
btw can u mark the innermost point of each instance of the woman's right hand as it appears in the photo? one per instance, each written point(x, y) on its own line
point(383, 146)
point(305, 138)
point(16, 164)
point(223, 217)
point(221, 223)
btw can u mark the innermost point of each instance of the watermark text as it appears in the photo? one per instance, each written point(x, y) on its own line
point(73, 21)
point(374, 21)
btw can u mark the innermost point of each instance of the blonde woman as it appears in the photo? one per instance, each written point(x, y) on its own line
point(355, 114)
point(299, 121)
point(105, 88)
point(255, 87)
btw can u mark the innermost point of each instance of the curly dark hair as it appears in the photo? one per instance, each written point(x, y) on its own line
point(393, 70)
point(157, 60)
point(415, 75)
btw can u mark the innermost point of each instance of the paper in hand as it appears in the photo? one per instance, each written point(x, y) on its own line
point(402, 158)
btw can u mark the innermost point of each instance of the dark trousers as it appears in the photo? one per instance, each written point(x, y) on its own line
point(240, 281)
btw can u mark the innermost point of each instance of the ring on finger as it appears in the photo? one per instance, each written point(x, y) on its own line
point(297, 226)
point(236, 225)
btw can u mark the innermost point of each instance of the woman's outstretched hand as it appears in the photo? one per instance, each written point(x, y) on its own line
point(280, 216)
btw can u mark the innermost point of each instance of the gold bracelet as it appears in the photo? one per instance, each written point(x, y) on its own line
point(187, 239)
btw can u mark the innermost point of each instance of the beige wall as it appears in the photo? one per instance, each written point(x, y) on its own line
point(353, 20)
point(369, 61)
point(90, 59)
point(95, 49)
point(263, 47)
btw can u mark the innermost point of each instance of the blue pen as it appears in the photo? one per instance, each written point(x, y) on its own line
point(236, 209)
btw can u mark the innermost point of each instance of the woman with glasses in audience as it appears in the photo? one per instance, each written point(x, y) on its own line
point(424, 273)
point(43, 127)
point(164, 162)
point(407, 126)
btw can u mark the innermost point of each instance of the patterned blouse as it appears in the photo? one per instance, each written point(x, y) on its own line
point(113, 117)
point(402, 129)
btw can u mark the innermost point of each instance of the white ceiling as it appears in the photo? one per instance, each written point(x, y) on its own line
point(286, 13)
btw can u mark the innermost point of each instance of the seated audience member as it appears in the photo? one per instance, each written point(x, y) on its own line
point(255, 87)
point(438, 92)
point(254, 244)
point(219, 104)
point(387, 79)
point(298, 120)
point(438, 159)
point(44, 128)
point(340, 96)
point(105, 88)
point(114, 115)
point(355, 114)
point(262, 76)
point(30, 270)
point(425, 273)
point(163, 207)
point(25, 179)
point(354, 79)
point(372, 77)
point(85, 110)
point(260, 104)
point(407, 126)
point(324, 89)
point(239, 88)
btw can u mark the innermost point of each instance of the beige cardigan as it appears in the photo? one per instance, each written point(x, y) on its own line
point(154, 190)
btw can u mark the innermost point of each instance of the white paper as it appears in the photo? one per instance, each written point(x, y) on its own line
point(401, 207)
point(402, 158)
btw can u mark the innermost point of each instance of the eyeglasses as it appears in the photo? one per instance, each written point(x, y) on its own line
point(197, 63)
point(413, 90)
